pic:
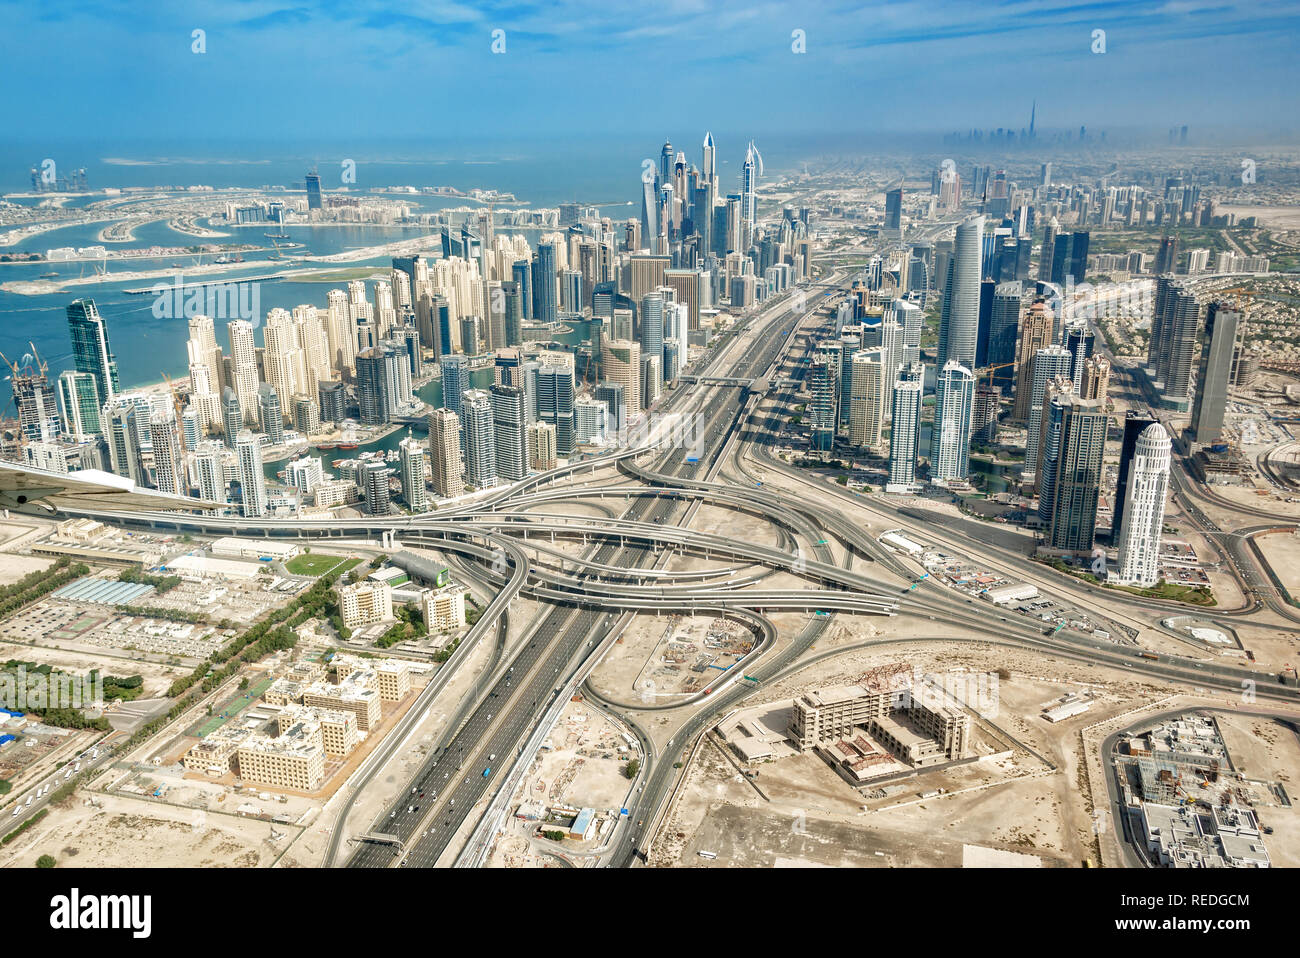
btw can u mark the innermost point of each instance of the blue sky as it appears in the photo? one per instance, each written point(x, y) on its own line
point(425, 68)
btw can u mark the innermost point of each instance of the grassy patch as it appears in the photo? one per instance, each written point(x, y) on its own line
point(317, 563)
point(1173, 592)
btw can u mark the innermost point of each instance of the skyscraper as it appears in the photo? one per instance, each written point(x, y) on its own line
point(446, 467)
point(414, 460)
point(959, 319)
point(455, 381)
point(867, 397)
point(313, 190)
point(950, 434)
point(1078, 478)
point(620, 363)
point(123, 433)
point(509, 423)
point(168, 464)
point(544, 284)
point(480, 439)
point(555, 397)
point(373, 479)
point(823, 407)
point(1134, 424)
point(80, 403)
point(1079, 340)
point(1037, 329)
point(1144, 516)
point(1049, 363)
point(252, 480)
point(1004, 324)
point(243, 355)
point(271, 414)
point(894, 209)
point(91, 352)
point(1181, 315)
point(905, 430)
point(232, 415)
point(1214, 372)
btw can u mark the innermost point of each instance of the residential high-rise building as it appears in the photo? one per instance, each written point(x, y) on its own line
point(1173, 333)
point(509, 422)
point(984, 418)
point(894, 209)
point(1214, 372)
point(867, 405)
point(414, 460)
point(1004, 325)
point(333, 399)
point(1049, 363)
point(555, 398)
point(209, 467)
point(91, 352)
point(1078, 478)
point(950, 434)
point(480, 439)
point(373, 478)
point(1079, 340)
point(252, 480)
point(123, 433)
point(271, 414)
point(541, 446)
point(1144, 516)
point(1037, 330)
point(959, 319)
point(232, 415)
point(243, 356)
point(446, 467)
point(824, 405)
point(905, 430)
point(620, 363)
point(545, 281)
point(1134, 424)
point(79, 403)
point(455, 381)
point(1095, 382)
point(168, 463)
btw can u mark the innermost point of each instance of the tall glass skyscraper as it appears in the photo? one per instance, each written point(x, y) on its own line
point(90, 349)
point(950, 434)
point(959, 321)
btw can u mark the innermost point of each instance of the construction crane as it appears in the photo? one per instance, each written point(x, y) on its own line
point(1238, 293)
point(987, 372)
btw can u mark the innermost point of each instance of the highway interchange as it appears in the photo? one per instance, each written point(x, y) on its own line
point(508, 545)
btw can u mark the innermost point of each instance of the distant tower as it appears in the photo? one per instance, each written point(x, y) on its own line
point(1144, 514)
point(313, 190)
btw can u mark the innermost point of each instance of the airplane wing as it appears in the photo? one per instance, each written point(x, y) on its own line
point(25, 489)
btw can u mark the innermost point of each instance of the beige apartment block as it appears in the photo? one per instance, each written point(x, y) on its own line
point(443, 609)
point(356, 694)
point(365, 602)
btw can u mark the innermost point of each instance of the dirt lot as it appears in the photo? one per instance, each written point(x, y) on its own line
point(120, 831)
point(1032, 801)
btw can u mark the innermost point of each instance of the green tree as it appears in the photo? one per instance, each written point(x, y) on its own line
point(45, 861)
point(631, 768)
